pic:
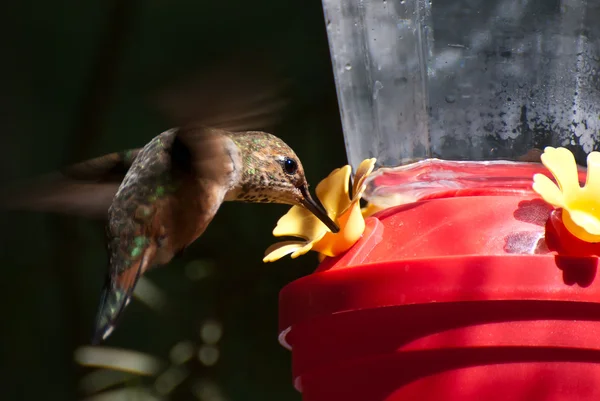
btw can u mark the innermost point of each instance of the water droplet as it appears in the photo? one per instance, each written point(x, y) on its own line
point(376, 88)
point(450, 99)
point(402, 2)
point(348, 67)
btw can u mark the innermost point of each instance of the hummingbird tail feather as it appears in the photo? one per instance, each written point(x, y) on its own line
point(110, 308)
point(116, 295)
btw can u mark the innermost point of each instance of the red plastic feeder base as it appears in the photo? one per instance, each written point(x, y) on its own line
point(457, 298)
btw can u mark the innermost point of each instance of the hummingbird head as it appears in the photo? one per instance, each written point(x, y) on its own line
point(272, 173)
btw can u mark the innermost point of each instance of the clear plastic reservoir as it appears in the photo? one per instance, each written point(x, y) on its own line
point(465, 79)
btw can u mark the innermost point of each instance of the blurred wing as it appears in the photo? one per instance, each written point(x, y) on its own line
point(83, 189)
point(108, 168)
point(244, 93)
point(211, 157)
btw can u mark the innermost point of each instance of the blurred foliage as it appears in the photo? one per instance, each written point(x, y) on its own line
point(207, 324)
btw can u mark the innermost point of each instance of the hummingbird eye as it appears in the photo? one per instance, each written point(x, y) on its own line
point(290, 166)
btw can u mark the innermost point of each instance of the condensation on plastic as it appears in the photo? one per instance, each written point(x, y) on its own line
point(465, 79)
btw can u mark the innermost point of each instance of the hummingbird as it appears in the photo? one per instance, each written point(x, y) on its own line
point(163, 196)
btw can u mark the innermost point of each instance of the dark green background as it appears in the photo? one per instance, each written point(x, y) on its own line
point(53, 267)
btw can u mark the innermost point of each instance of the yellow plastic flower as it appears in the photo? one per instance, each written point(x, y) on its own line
point(345, 211)
point(581, 206)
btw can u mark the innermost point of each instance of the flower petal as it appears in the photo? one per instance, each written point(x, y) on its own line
point(303, 250)
point(548, 190)
point(299, 222)
point(577, 230)
point(593, 173)
point(333, 191)
point(352, 226)
point(280, 249)
point(561, 163)
point(309, 245)
point(587, 221)
point(362, 172)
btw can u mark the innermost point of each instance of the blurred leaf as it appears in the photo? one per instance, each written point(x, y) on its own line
point(118, 359)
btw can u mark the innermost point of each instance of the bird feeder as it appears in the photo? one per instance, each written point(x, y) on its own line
point(476, 281)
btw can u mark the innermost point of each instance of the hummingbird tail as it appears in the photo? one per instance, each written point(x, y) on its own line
point(112, 302)
point(116, 295)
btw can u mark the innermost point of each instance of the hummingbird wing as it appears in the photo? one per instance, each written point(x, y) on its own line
point(83, 189)
point(233, 94)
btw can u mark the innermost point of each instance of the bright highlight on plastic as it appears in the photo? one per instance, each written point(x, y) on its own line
point(333, 192)
point(581, 205)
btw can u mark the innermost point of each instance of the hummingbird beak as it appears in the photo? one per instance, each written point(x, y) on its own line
point(317, 210)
